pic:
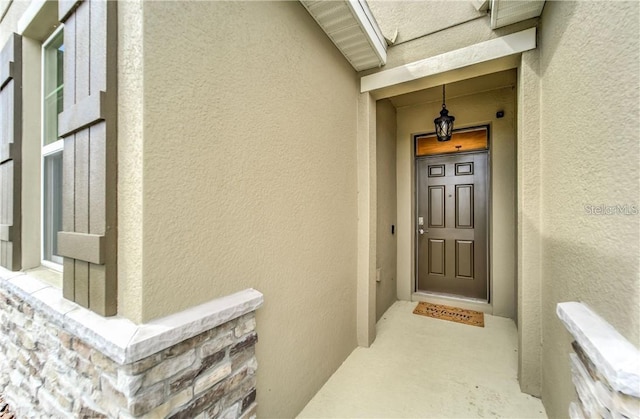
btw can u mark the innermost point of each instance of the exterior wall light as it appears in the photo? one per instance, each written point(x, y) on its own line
point(444, 123)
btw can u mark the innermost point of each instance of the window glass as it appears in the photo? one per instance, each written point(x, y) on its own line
point(52, 82)
point(52, 208)
point(472, 139)
point(53, 56)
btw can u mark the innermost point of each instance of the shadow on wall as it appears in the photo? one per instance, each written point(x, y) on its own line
point(601, 277)
point(550, 48)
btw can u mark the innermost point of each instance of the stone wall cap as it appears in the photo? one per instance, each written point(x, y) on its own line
point(614, 356)
point(118, 337)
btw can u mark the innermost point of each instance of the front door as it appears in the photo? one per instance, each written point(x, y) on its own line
point(452, 224)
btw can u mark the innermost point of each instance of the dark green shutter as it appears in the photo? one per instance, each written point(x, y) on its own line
point(88, 126)
point(11, 153)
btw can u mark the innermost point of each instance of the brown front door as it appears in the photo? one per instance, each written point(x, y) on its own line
point(451, 227)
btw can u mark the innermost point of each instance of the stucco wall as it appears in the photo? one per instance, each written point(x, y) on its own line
point(590, 149)
point(528, 245)
point(130, 158)
point(386, 205)
point(249, 180)
point(416, 19)
point(476, 109)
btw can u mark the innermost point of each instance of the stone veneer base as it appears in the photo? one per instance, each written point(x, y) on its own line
point(605, 366)
point(61, 359)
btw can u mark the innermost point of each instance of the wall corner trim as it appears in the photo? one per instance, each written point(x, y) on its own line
point(117, 337)
point(493, 49)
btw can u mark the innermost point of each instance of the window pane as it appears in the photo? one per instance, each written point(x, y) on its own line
point(52, 206)
point(462, 140)
point(53, 57)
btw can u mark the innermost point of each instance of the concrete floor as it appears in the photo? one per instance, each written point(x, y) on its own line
point(421, 367)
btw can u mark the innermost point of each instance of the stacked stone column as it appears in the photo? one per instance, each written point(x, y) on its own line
point(46, 370)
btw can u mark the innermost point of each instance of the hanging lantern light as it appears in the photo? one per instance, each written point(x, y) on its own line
point(444, 123)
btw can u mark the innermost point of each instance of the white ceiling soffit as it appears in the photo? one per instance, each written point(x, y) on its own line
point(507, 12)
point(352, 28)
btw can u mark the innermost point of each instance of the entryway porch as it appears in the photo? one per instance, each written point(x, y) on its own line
point(421, 367)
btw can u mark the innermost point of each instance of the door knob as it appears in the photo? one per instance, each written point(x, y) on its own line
point(421, 231)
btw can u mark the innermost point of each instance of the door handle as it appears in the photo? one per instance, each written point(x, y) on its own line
point(422, 231)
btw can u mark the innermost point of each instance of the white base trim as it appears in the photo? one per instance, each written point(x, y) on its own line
point(117, 337)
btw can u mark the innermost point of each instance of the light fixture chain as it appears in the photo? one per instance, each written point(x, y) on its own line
point(443, 102)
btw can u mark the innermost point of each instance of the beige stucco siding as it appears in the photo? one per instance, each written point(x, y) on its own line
point(416, 19)
point(386, 247)
point(528, 230)
point(590, 149)
point(130, 158)
point(249, 180)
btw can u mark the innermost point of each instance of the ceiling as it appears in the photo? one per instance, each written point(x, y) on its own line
point(466, 87)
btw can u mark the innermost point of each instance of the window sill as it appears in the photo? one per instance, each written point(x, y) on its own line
point(47, 274)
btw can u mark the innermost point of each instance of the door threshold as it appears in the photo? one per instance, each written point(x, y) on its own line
point(452, 300)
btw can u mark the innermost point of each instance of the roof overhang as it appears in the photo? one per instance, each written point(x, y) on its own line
point(353, 29)
point(501, 53)
point(507, 12)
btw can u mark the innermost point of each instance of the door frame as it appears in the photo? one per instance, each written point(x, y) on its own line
point(526, 223)
point(488, 215)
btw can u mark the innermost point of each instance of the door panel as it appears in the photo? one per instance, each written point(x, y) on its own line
point(436, 170)
point(436, 257)
point(464, 206)
point(436, 206)
point(452, 246)
point(463, 169)
point(464, 259)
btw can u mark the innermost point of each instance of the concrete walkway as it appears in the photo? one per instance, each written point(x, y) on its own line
point(420, 367)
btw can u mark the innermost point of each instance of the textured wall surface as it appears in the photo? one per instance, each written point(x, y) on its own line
point(130, 159)
point(419, 18)
point(249, 180)
point(367, 226)
point(528, 284)
point(590, 68)
point(386, 292)
point(477, 109)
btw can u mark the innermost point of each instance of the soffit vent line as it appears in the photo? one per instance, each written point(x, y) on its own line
point(508, 12)
point(353, 29)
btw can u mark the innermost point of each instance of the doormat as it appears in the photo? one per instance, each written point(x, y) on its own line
point(453, 314)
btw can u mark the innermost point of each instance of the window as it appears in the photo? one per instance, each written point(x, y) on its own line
point(52, 102)
point(465, 139)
